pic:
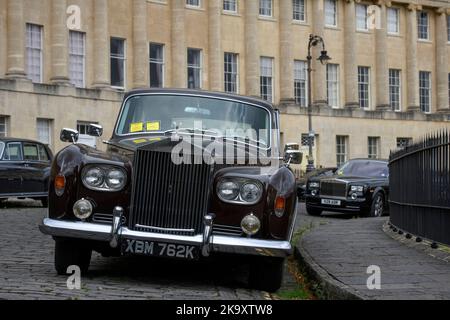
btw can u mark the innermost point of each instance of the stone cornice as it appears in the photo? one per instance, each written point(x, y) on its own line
point(357, 113)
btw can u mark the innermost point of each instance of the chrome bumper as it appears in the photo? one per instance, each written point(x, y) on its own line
point(235, 245)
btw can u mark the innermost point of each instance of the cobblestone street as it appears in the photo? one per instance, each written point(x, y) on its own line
point(27, 272)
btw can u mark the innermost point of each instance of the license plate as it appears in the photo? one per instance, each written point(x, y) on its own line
point(160, 249)
point(331, 202)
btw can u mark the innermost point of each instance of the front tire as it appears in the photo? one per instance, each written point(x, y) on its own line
point(70, 252)
point(377, 207)
point(266, 274)
point(313, 211)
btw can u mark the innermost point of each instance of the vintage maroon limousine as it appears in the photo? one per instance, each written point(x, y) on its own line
point(186, 174)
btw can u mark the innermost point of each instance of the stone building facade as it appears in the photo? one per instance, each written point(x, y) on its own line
point(65, 63)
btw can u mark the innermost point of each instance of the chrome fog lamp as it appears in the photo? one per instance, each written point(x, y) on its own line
point(314, 193)
point(82, 209)
point(354, 196)
point(250, 224)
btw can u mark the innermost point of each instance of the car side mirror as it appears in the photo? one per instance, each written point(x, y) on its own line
point(293, 157)
point(69, 135)
point(95, 130)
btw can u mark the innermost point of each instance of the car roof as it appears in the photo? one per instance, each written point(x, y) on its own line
point(10, 139)
point(368, 159)
point(211, 94)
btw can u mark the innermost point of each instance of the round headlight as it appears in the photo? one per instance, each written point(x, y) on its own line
point(251, 192)
point(228, 190)
point(94, 177)
point(250, 224)
point(115, 179)
point(82, 209)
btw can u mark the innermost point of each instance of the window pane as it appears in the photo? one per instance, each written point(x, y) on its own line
point(364, 87)
point(403, 142)
point(333, 85)
point(43, 155)
point(266, 78)
point(229, 5)
point(3, 128)
point(34, 52)
point(117, 62)
point(194, 68)
point(373, 143)
point(76, 58)
point(156, 65)
point(300, 83)
point(448, 28)
point(393, 20)
point(422, 25)
point(117, 47)
point(330, 13)
point(425, 90)
point(341, 150)
point(13, 152)
point(265, 7)
point(299, 10)
point(195, 3)
point(30, 152)
point(231, 72)
point(394, 89)
point(43, 131)
point(361, 17)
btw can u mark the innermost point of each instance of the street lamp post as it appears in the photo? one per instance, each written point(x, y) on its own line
point(324, 58)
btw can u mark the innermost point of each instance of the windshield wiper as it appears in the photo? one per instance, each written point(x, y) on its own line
point(191, 131)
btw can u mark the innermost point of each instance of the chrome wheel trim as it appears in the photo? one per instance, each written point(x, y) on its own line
point(378, 206)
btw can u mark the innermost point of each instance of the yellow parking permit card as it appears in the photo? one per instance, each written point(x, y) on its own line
point(137, 127)
point(139, 141)
point(153, 126)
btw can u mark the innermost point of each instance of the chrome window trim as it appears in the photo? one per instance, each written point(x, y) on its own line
point(189, 95)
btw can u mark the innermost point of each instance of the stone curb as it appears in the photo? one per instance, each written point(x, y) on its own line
point(331, 287)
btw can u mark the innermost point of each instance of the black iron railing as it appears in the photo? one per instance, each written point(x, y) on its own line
point(419, 182)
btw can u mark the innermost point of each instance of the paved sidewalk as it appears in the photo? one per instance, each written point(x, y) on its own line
point(338, 252)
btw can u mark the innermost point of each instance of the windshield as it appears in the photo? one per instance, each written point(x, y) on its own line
point(364, 168)
point(215, 117)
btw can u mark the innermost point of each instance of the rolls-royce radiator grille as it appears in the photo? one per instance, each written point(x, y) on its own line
point(333, 188)
point(168, 198)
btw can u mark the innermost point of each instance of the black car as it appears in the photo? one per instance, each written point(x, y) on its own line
point(24, 169)
point(301, 183)
point(359, 186)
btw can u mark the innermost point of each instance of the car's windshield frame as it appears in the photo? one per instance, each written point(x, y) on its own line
point(340, 169)
point(116, 127)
